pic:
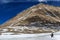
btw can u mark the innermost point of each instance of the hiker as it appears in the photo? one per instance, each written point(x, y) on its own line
point(52, 35)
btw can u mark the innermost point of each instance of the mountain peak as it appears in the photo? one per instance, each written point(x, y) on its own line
point(40, 15)
point(41, 10)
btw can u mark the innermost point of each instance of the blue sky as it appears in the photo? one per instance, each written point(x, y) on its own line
point(6, 1)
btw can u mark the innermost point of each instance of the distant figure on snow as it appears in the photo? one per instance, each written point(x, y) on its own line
point(52, 35)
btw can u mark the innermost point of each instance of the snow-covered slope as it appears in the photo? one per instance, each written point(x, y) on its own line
point(43, 36)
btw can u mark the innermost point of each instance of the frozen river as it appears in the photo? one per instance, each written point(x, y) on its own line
point(44, 36)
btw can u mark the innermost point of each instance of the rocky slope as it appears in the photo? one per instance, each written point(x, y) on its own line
point(40, 15)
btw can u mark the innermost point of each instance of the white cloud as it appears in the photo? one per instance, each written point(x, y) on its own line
point(42, 0)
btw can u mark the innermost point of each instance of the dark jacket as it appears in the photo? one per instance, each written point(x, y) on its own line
point(52, 35)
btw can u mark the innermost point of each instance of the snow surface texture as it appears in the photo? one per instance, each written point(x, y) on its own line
point(43, 36)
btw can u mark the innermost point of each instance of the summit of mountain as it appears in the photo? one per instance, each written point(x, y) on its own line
point(40, 18)
point(40, 12)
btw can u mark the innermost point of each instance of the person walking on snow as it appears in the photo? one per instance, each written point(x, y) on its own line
point(52, 35)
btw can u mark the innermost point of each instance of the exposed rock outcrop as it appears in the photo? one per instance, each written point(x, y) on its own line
point(40, 15)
